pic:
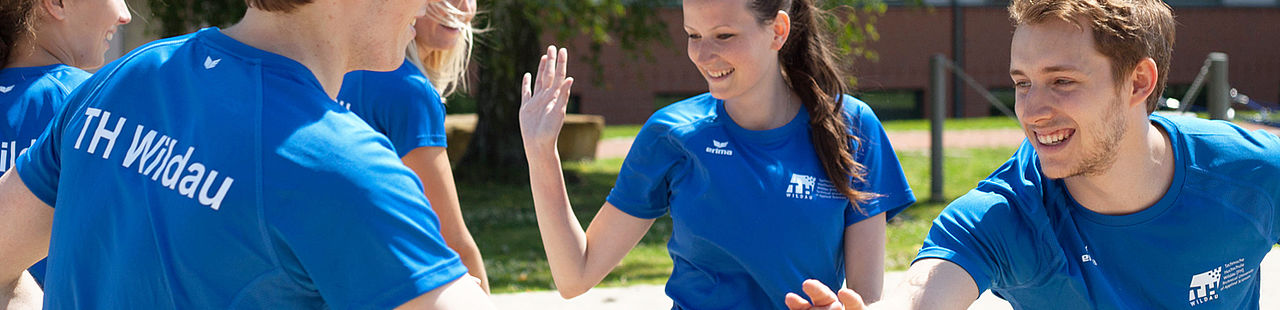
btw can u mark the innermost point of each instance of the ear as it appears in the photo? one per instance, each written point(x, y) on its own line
point(781, 30)
point(55, 8)
point(1143, 82)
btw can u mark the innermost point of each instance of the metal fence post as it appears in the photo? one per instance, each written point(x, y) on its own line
point(938, 113)
point(1219, 87)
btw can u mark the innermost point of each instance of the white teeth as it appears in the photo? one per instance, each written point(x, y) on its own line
point(110, 35)
point(1053, 139)
point(716, 74)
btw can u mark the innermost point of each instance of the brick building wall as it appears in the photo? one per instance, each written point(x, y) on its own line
point(1250, 36)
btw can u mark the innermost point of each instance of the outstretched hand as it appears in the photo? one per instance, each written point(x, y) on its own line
point(824, 299)
point(542, 104)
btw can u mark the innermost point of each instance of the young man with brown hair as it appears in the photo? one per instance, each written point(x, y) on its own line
point(1105, 206)
point(215, 170)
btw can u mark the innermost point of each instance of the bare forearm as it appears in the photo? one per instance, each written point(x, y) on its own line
point(562, 236)
point(432, 166)
point(864, 257)
point(932, 284)
point(469, 253)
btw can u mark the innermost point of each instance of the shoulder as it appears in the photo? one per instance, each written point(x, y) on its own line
point(330, 146)
point(67, 78)
point(1216, 144)
point(861, 119)
point(1016, 191)
point(683, 116)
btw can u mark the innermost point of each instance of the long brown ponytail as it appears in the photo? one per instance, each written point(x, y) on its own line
point(15, 22)
point(808, 66)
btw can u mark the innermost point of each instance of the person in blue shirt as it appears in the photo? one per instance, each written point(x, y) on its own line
point(216, 170)
point(44, 47)
point(774, 162)
point(1105, 206)
point(405, 106)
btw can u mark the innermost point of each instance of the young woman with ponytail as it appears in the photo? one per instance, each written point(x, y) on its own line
point(45, 46)
point(774, 177)
point(407, 106)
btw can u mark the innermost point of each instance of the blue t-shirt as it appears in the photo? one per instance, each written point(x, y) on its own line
point(1021, 234)
point(199, 172)
point(754, 214)
point(29, 97)
point(400, 104)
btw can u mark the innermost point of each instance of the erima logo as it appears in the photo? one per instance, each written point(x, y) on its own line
point(1204, 286)
point(801, 186)
point(6, 89)
point(719, 148)
point(1086, 258)
point(209, 62)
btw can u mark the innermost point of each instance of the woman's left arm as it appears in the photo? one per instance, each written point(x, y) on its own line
point(864, 243)
point(431, 164)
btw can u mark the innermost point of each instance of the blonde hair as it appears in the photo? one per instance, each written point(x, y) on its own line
point(447, 69)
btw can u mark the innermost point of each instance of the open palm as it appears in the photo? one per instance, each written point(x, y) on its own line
point(542, 104)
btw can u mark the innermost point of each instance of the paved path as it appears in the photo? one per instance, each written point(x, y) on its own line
point(652, 296)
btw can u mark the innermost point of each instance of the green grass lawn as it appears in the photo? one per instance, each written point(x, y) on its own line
point(502, 219)
point(994, 122)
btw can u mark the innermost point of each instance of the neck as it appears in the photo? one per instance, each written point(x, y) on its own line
point(1140, 176)
point(764, 108)
point(300, 36)
point(28, 53)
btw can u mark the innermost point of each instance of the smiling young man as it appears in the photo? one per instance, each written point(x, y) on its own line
point(1106, 206)
point(215, 170)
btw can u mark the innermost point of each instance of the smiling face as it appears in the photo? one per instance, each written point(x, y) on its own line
point(439, 30)
point(732, 50)
point(1070, 107)
point(90, 26)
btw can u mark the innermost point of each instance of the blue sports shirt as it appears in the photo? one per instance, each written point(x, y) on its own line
point(754, 214)
point(29, 97)
point(400, 104)
point(200, 172)
point(1199, 247)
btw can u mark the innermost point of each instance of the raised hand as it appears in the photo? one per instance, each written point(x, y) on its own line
point(542, 104)
point(824, 299)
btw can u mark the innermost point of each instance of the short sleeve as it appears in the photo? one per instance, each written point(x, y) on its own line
point(414, 118)
point(981, 233)
point(355, 225)
point(884, 175)
point(643, 185)
point(40, 166)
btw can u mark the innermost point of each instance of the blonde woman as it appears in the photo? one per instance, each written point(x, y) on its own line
point(406, 105)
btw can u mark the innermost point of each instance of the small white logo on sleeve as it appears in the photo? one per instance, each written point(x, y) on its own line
point(209, 62)
point(801, 186)
point(6, 89)
point(719, 148)
point(1204, 286)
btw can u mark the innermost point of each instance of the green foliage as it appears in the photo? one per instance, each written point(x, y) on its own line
point(183, 16)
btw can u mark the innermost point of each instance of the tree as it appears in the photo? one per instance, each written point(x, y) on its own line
point(511, 47)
